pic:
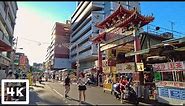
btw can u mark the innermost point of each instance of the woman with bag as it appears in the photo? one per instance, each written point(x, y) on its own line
point(82, 86)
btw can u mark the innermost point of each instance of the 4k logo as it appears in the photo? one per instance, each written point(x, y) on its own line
point(15, 88)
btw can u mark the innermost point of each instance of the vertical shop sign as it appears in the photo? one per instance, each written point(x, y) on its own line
point(157, 76)
point(140, 66)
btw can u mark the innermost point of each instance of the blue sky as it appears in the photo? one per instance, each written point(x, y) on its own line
point(36, 19)
point(54, 10)
point(165, 12)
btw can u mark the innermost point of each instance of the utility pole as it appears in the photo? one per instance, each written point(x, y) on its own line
point(172, 24)
point(13, 53)
point(77, 63)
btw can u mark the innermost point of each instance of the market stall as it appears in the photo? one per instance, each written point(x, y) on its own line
point(170, 82)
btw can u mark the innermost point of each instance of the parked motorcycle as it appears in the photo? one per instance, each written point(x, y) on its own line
point(130, 94)
point(116, 90)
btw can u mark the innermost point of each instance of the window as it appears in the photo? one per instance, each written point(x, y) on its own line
point(180, 76)
point(167, 76)
point(173, 76)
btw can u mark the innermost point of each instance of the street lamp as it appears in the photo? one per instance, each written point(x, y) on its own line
point(77, 63)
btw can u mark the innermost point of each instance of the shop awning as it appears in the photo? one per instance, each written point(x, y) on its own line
point(137, 52)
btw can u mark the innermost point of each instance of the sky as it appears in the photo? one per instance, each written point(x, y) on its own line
point(35, 21)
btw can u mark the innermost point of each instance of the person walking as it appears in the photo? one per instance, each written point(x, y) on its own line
point(53, 77)
point(67, 82)
point(82, 86)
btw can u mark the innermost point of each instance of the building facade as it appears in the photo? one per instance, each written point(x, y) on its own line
point(83, 26)
point(58, 52)
point(21, 62)
point(38, 66)
point(8, 11)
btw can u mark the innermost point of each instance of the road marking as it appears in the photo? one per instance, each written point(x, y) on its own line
point(58, 93)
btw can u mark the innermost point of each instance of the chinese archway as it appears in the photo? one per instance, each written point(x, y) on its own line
point(120, 28)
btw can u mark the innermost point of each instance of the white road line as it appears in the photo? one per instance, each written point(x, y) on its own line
point(58, 93)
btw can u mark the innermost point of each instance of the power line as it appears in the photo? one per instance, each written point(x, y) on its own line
point(167, 29)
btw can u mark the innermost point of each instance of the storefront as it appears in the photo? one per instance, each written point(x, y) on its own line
point(170, 82)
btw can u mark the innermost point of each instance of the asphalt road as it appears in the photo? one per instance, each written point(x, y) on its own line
point(52, 93)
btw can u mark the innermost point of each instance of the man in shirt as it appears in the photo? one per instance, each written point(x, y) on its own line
point(67, 82)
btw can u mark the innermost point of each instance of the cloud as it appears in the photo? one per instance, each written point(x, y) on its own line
point(31, 25)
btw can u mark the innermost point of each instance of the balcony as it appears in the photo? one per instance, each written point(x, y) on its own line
point(97, 6)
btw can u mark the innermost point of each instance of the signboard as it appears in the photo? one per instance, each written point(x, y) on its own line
point(121, 41)
point(173, 96)
point(129, 67)
point(106, 69)
point(126, 67)
point(171, 84)
point(119, 67)
point(4, 61)
point(114, 71)
point(157, 76)
point(22, 60)
point(139, 66)
point(169, 66)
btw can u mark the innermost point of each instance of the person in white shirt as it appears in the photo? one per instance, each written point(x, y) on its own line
point(82, 86)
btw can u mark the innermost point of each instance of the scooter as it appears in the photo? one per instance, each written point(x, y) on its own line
point(129, 94)
point(116, 90)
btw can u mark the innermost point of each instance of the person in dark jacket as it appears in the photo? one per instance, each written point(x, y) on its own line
point(67, 82)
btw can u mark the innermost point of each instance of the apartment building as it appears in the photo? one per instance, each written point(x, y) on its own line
point(83, 21)
point(8, 12)
point(58, 52)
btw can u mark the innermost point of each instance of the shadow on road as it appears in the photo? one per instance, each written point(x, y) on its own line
point(85, 103)
point(38, 86)
point(72, 99)
point(42, 83)
point(34, 98)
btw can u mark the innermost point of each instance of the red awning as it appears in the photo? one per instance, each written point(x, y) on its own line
point(4, 46)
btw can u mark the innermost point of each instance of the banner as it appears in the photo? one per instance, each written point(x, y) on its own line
point(169, 66)
point(22, 60)
point(126, 67)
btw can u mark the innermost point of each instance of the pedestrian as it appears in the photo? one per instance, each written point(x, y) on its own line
point(123, 82)
point(82, 86)
point(34, 78)
point(40, 78)
point(67, 82)
point(53, 77)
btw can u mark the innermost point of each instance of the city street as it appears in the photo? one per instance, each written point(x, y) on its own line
point(49, 93)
